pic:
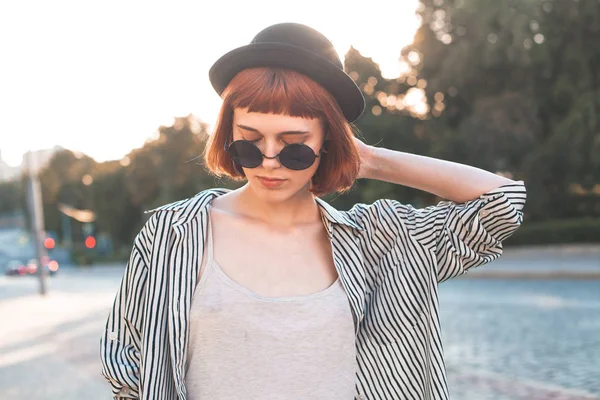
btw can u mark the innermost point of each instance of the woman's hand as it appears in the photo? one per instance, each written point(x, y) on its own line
point(366, 158)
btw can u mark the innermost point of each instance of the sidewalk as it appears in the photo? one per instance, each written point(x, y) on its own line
point(543, 262)
point(587, 249)
point(49, 346)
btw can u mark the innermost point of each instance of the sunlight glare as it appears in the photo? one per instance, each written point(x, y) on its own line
point(101, 77)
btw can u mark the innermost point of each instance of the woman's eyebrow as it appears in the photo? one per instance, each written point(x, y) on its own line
point(248, 128)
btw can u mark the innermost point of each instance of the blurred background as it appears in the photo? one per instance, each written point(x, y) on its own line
point(105, 107)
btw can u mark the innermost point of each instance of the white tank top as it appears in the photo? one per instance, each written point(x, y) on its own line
point(246, 346)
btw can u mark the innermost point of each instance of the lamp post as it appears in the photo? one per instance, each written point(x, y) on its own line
point(37, 220)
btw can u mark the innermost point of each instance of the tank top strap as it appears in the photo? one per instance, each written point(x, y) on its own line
point(209, 238)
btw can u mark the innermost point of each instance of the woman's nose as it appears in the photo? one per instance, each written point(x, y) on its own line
point(271, 151)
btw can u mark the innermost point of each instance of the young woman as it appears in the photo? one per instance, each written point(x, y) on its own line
point(268, 292)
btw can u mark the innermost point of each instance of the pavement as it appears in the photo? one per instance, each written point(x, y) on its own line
point(544, 262)
point(49, 345)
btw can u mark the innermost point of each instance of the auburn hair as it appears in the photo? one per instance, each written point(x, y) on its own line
point(287, 92)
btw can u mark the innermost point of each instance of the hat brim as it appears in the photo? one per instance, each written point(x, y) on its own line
point(331, 77)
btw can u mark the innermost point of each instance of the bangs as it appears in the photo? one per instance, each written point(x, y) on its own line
point(278, 91)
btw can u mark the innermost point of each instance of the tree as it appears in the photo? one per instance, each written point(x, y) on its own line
point(513, 87)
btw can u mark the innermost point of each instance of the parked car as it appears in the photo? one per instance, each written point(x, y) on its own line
point(18, 267)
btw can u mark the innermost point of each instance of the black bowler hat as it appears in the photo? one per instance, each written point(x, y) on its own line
point(297, 47)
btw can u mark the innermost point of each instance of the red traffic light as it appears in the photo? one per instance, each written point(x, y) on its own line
point(90, 242)
point(49, 243)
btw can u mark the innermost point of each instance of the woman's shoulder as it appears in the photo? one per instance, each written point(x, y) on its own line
point(178, 212)
point(191, 204)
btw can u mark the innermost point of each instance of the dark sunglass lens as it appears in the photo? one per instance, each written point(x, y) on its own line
point(297, 156)
point(245, 153)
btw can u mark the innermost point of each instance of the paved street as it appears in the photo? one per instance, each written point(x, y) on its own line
point(560, 261)
point(49, 346)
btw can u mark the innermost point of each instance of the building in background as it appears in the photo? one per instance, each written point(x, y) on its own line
point(41, 157)
point(7, 173)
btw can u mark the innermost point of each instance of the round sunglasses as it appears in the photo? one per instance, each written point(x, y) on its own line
point(294, 156)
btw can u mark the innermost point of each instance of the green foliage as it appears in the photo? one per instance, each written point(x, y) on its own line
point(520, 83)
point(12, 196)
point(578, 230)
point(511, 86)
point(164, 170)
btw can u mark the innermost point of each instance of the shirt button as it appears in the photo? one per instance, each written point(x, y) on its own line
point(124, 391)
point(112, 336)
point(484, 213)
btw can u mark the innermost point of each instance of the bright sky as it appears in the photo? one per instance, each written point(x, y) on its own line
point(101, 76)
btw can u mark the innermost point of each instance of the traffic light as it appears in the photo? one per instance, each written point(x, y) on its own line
point(90, 242)
point(89, 231)
point(49, 243)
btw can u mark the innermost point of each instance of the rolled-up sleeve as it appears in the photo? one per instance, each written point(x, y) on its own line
point(470, 234)
point(121, 341)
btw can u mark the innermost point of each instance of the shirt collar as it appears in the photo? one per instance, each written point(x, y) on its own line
point(335, 216)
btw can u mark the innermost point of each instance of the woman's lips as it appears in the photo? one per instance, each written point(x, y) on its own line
point(270, 183)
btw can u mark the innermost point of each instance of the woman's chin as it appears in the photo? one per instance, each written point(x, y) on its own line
point(280, 193)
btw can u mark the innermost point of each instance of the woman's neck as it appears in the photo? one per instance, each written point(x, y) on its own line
point(299, 209)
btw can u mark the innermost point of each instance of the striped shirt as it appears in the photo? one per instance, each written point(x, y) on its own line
point(389, 256)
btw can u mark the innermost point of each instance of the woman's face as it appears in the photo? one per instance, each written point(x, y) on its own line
point(271, 133)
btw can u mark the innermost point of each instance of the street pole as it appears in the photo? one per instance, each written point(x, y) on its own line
point(37, 221)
